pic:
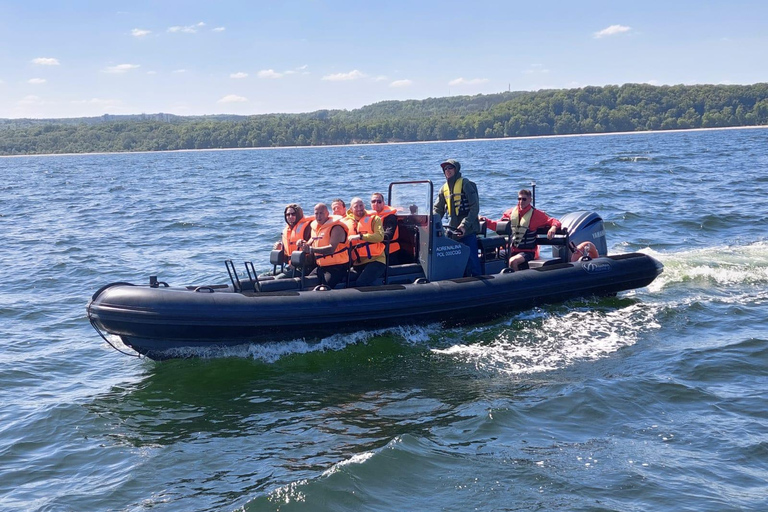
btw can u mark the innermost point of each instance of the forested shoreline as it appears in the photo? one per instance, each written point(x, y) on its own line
point(587, 110)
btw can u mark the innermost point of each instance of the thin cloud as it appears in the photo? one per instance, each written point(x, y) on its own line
point(187, 29)
point(46, 61)
point(121, 68)
point(179, 71)
point(299, 70)
point(536, 69)
point(401, 83)
point(140, 32)
point(341, 77)
point(31, 100)
point(464, 81)
point(98, 101)
point(219, 29)
point(612, 31)
point(232, 98)
point(238, 75)
point(36, 81)
point(269, 73)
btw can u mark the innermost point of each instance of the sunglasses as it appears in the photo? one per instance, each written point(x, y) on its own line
point(376, 201)
point(522, 198)
point(448, 167)
point(290, 214)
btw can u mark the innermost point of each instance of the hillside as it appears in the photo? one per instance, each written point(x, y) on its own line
point(630, 107)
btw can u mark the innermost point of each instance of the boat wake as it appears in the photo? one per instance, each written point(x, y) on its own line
point(725, 266)
point(541, 340)
point(272, 352)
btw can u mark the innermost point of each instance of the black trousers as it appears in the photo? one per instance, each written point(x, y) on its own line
point(332, 275)
point(368, 273)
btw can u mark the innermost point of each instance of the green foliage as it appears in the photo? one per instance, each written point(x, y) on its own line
point(630, 107)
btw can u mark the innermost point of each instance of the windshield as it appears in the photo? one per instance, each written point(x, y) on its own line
point(411, 198)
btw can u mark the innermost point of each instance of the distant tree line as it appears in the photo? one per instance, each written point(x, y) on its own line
point(630, 107)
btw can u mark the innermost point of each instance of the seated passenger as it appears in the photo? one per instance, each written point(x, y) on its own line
point(388, 217)
point(366, 236)
point(297, 228)
point(329, 246)
point(525, 220)
point(338, 209)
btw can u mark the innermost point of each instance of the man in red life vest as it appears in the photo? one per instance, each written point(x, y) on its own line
point(388, 217)
point(525, 220)
point(297, 228)
point(329, 245)
point(366, 236)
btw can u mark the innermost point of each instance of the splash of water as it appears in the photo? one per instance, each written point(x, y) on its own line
point(539, 341)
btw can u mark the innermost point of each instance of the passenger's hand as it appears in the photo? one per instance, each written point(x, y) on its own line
point(279, 246)
point(551, 232)
point(460, 231)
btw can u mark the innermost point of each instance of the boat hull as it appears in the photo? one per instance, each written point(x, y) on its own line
point(161, 322)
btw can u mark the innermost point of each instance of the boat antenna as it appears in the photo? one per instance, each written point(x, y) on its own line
point(533, 192)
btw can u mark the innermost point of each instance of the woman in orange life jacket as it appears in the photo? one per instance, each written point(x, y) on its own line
point(366, 235)
point(297, 228)
point(388, 217)
point(525, 220)
point(329, 246)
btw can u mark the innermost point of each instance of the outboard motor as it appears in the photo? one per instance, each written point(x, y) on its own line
point(582, 227)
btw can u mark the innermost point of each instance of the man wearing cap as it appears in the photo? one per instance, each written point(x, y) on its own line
point(459, 199)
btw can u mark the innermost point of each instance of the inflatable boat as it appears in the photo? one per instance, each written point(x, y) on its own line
point(426, 286)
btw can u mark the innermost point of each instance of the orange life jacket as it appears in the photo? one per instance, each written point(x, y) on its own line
point(321, 237)
point(386, 212)
point(360, 248)
point(291, 235)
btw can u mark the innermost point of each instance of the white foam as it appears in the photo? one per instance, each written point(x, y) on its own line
point(713, 266)
point(538, 341)
point(358, 458)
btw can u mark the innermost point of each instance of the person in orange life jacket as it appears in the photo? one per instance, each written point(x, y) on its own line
point(389, 222)
point(366, 236)
point(329, 246)
point(297, 228)
point(339, 208)
point(525, 220)
point(459, 199)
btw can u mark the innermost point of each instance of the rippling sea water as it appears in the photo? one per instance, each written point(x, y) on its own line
point(652, 400)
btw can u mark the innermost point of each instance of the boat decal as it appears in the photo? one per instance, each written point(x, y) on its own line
point(596, 267)
point(448, 250)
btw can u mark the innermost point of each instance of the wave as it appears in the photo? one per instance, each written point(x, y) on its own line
point(273, 352)
point(714, 266)
point(542, 340)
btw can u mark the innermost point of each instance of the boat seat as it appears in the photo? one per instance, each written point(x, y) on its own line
point(409, 268)
point(560, 238)
point(544, 262)
point(277, 257)
point(491, 243)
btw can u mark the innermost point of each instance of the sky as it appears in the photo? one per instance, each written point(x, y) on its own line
point(88, 58)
